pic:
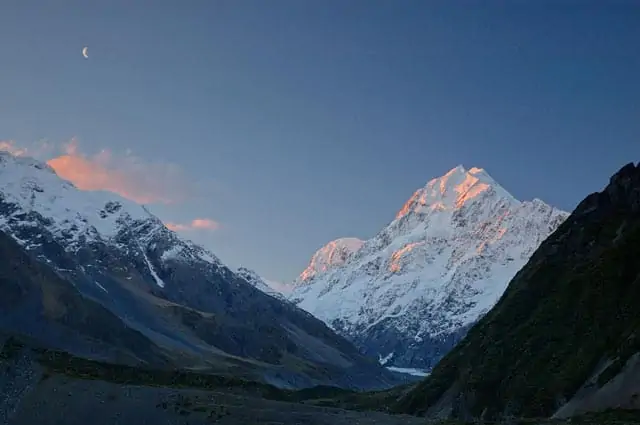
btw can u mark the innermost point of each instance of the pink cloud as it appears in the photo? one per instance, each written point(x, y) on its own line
point(38, 150)
point(11, 147)
point(204, 223)
point(195, 224)
point(129, 176)
point(176, 227)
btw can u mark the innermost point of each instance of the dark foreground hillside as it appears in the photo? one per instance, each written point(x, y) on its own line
point(52, 388)
point(565, 336)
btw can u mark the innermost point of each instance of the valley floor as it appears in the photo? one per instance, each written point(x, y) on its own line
point(42, 387)
point(61, 400)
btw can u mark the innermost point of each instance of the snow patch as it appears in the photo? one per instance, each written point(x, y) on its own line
point(408, 371)
point(385, 359)
point(206, 256)
point(101, 287)
point(171, 253)
point(159, 281)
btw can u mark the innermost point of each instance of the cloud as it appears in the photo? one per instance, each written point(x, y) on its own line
point(127, 175)
point(11, 147)
point(131, 177)
point(176, 227)
point(195, 224)
point(204, 223)
point(38, 150)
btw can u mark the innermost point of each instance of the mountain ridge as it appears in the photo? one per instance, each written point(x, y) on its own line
point(258, 282)
point(178, 295)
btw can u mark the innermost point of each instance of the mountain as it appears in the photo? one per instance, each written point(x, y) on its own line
point(407, 295)
point(332, 255)
point(565, 336)
point(101, 277)
point(258, 282)
point(37, 300)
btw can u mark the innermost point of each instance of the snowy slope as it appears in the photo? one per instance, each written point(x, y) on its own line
point(33, 195)
point(409, 293)
point(333, 254)
point(258, 282)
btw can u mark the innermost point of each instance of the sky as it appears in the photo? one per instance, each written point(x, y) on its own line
point(263, 130)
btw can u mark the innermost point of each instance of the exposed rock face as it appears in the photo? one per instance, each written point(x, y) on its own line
point(565, 335)
point(407, 295)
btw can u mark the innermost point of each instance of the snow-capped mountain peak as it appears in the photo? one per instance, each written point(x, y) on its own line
point(439, 265)
point(33, 196)
point(33, 186)
point(454, 190)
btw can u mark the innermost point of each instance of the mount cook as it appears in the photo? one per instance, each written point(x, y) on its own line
point(407, 295)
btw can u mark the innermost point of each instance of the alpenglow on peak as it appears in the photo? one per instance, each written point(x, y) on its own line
point(333, 254)
point(453, 190)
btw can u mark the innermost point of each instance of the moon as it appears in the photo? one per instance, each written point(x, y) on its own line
point(85, 52)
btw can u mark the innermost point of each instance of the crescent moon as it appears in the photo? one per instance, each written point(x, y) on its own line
point(85, 52)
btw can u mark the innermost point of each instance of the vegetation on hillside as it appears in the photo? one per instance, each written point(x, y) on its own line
point(58, 362)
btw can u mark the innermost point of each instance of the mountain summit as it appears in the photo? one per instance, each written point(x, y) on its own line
point(453, 191)
point(411, 292)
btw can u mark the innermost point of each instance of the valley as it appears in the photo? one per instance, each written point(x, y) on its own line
point(128, 323)
point(54, 388)
point(320, 212)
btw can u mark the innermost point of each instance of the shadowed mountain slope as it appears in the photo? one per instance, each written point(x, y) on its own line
point(99, 276)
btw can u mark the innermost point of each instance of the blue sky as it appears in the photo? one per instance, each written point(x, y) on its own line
point(291, 123)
